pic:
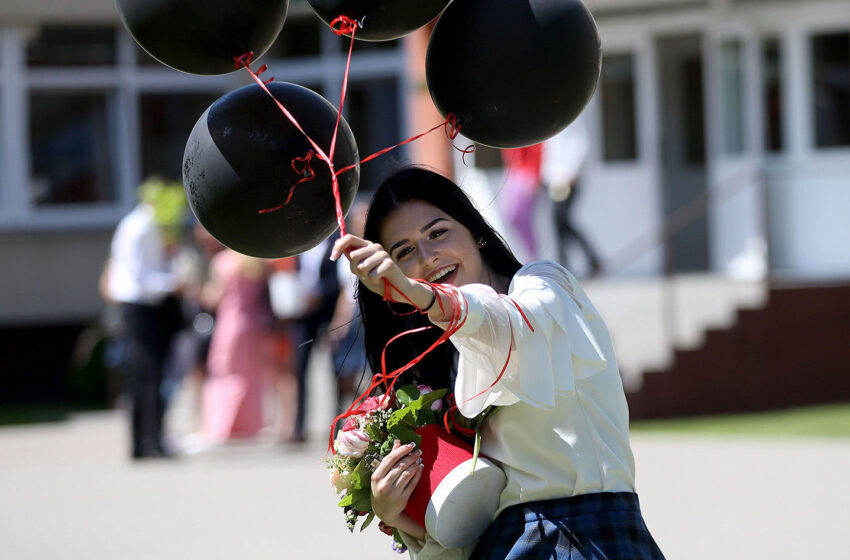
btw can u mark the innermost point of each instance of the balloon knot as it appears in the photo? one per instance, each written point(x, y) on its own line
point(453, 126)
point(346, 25)
point(243, 60)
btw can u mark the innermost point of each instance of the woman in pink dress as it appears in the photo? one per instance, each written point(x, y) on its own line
point(240, 351)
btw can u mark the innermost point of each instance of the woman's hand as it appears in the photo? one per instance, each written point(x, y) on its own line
point(392, 484)
point(371, 263)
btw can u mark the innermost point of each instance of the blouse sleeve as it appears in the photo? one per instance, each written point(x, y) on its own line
point(542, 337)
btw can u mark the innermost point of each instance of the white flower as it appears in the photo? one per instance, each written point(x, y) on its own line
point(340, 481)
point(352, 443)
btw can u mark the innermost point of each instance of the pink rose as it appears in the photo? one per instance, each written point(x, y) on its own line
point(424, 390)
point(350, 424)
point(380, 402)
point(352, 443)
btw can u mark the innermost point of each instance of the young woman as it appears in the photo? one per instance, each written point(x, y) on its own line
point(560, 432)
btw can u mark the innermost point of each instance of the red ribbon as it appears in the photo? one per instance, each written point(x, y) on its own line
point(302, 166)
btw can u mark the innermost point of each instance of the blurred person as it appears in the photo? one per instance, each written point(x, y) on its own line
point(522, 183)
point(287, 300)
point(320, 281)
point(240, 349)
point(191, 345)
point(140, 279)
point(562, 160)
point(345, 332)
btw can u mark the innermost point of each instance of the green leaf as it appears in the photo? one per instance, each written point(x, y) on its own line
point(386, 447)
point(421, 407)
point(401, 417)
point(405, 435)
point(346, 500)
point(369, 519)
point(361, 476)
point(362, 499)
point(407, 394)
point(428, 398)
point(424, 417)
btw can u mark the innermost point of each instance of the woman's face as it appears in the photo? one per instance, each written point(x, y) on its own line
point(428, 244)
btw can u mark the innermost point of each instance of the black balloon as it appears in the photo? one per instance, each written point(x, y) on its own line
point(515, 72)
point(203, 36)
point(382, 19)
point(238, 162)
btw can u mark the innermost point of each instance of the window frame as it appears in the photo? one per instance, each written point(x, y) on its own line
point(128, 81)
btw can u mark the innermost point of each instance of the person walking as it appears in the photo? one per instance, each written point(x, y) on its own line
point(139, 278)
point(561, 164)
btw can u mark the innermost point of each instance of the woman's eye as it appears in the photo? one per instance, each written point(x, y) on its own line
point(438, 233)
point(404, 252)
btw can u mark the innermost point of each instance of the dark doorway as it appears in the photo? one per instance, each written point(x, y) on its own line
point(680, 64)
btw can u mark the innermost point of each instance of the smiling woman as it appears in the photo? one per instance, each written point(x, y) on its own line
point(530, 345)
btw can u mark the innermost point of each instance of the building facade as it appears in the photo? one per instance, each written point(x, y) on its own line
point(720, 136)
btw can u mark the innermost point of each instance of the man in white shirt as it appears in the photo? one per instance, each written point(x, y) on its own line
point(563, 158)
point(141, 281)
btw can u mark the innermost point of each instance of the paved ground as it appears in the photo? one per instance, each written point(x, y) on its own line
point(67, 492)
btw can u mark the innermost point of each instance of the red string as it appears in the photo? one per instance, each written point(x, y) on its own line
point(452, 130)
point(450, 419)
point(388, 379)
point(456, 321)
point(245, 61)
point(307, 174)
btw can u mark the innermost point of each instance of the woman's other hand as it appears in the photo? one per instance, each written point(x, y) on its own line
point(393, 482)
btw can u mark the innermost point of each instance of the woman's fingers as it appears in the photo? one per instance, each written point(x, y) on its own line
point(346, 243)
point(369, 265)
point(405, 477)
point(387, 463)
point(414, 480)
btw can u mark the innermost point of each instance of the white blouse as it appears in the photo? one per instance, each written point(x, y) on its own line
point(562, 428)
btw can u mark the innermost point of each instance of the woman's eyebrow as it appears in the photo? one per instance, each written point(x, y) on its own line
point(422, 230)
point(431, 223)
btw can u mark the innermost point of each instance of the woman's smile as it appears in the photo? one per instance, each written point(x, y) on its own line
point(444, 275)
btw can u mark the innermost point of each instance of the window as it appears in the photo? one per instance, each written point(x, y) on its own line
point(731, 75)
point(72, 46)
point(70, 143)
point(831, 89)
point(78, 119)
point(771, 60)
point(373, 107)
point(619, 127)
point(167, 120)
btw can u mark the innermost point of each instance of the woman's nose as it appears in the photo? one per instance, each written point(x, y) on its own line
point(427, 255)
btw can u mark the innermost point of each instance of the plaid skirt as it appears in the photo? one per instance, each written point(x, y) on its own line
point(607, 525)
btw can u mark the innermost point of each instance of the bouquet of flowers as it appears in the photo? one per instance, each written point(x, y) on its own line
point(368, 437)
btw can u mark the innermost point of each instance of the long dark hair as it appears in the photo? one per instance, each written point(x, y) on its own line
point(380, 322)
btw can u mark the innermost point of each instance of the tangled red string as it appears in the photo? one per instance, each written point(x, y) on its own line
point(306, 172)
point(302, 166)
point(347, 26)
